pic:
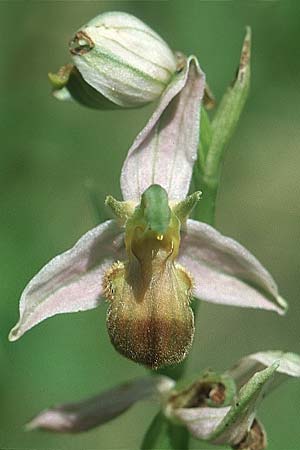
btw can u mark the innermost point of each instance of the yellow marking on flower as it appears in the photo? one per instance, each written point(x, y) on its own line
point(160, 237)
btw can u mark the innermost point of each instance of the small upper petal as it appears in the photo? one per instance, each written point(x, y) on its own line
point(225, 272)
point(165, 151)
point(71, 281)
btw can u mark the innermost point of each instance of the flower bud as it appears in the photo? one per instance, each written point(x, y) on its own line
point(123, 59)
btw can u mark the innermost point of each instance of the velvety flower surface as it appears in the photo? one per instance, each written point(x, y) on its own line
point(189, 258)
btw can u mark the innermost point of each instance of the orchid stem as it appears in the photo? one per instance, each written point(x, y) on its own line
point(98, 211)
point(162, 434)
point(214, 138)
point(175, 437)
point(205, 209)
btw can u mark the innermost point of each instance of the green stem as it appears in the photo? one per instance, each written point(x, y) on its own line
point(205, 209)
point(162, 434)
point(214, 138)
point(96, 202)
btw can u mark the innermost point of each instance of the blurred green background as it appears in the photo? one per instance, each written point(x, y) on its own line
point(49, 150)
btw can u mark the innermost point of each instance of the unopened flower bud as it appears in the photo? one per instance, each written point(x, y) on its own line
point(123, 59)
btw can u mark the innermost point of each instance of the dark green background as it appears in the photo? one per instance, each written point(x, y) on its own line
point(49, 150)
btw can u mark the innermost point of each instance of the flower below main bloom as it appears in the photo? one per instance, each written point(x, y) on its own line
point(218, 408)
point(221, 409)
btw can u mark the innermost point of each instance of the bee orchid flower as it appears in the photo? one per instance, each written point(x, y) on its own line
point(152, 260)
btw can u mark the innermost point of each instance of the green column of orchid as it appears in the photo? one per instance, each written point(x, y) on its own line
point(215, 135)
